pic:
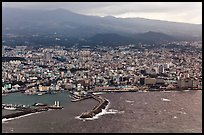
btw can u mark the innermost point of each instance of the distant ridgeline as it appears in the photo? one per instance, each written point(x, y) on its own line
point(7, 59)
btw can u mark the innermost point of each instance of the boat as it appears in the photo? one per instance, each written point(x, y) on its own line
point(43, 108)
point(39, 104)
point(10, 108)
point(55, 106)
point(39, 94)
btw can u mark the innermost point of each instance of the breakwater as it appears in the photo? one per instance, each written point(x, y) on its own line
point(28, 111)
point(76, 99)
point(23, 110)
point(97, 109)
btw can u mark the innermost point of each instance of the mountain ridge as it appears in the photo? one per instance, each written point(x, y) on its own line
point(74, 25)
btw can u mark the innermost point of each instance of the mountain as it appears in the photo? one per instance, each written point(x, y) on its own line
point(73, 25)
point(116, 39)
point(110, 38)
point(154, 36)
point(48, 22)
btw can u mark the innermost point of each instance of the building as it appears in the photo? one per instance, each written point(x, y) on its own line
point(161, 69)
point(43, 88)
point(160, 81)
point(142, 81)
point(143, 71)
point(3, 50)
point(48, 56)
point(187, 83)
point(21, 48)
point(150, 81)
point(166, 66)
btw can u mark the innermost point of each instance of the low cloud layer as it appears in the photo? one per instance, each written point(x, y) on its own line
point(190, 12)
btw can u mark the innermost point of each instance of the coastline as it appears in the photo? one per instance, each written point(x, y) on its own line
point(145, 113)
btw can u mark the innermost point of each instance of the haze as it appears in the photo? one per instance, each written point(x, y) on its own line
point(188, 12)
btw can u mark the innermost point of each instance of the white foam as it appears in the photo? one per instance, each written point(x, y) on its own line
point(181, 112)
point(104, 111)
point(170, 91)
point(129, 101)
point(175, 117)
point(143, 91)
point(186, 90)
point(164, 99)
point(98, 93)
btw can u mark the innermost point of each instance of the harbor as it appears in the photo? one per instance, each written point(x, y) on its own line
point(20, 109)
point(23, 109)
point(18, 104)
point(146, 113)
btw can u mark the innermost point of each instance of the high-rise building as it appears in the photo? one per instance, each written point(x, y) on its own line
point(161, 69)
point(166, 65)
point(187, 83)
point(150, 81)
point(48, 56)
point(3, 50)
point(21, 48)
point(142, 81)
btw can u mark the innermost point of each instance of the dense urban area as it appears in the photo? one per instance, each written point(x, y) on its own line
point(50, 69)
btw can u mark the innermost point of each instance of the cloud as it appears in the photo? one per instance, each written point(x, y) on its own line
point(190, 12)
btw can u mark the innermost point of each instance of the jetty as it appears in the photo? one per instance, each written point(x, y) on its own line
point(18, 107)
point(28, 111)
point(76, 98)
point(97, 109)
point(23, 109)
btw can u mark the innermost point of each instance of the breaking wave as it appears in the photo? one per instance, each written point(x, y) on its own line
point(104, 112)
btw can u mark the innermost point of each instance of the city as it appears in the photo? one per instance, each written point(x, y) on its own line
point(57, 68)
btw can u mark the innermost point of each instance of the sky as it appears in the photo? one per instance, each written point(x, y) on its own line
point(188, 12)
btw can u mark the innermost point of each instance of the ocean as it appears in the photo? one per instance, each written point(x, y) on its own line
point(128, 112)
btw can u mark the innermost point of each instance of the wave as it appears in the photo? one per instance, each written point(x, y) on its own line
point(169, 91)
point(164, 99)
point(129, 101)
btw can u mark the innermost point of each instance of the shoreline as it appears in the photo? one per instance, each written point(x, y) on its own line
point(145, 113)
point(139, 90)
point(103, 103)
